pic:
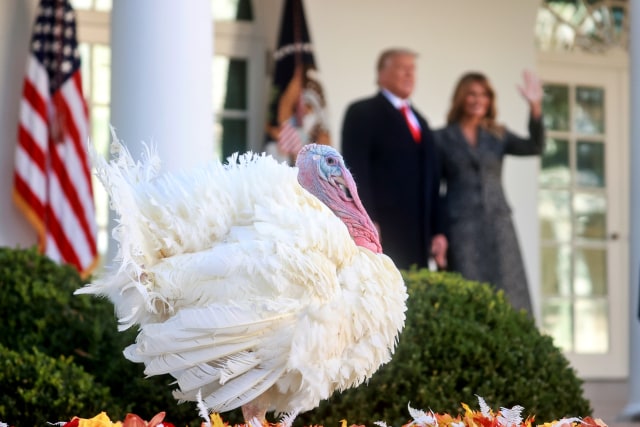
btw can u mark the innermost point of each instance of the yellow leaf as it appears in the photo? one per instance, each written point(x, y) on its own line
point(467, 410)
point(216, 420)
point(100, 420)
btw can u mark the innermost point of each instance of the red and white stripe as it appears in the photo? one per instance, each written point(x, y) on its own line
point(289, 141)
point(52, 179)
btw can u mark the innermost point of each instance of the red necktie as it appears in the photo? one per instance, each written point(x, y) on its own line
point(414, 128)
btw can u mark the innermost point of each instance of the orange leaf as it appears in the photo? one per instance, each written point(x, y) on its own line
point(132, 420)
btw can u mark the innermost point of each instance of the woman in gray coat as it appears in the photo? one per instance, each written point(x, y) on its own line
point(482, 241)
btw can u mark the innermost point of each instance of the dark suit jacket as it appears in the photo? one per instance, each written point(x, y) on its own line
point(398, 179)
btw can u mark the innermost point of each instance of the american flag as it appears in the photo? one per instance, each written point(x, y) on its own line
point(289, 140)
point(52, 179)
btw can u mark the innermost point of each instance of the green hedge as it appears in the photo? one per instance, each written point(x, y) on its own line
point(36, 388)
point(460, 339)
point(44, 319)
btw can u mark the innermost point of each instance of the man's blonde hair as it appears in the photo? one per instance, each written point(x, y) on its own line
point(385, 55)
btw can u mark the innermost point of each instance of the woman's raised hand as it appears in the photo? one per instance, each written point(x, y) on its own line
point(532, 91)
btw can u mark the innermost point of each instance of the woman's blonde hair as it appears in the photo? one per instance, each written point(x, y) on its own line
point(456, 112)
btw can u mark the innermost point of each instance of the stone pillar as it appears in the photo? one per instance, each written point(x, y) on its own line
point(632, 410)
point(161, 85)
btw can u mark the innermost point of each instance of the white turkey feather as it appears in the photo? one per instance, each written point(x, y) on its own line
point(193, 379)
point(238, 365)
point(247, 288)
point(212, 325)
point(243, 389)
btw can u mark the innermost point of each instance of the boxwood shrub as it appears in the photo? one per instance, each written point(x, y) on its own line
point(36, 389)
point(461, 340)
point(43, 320)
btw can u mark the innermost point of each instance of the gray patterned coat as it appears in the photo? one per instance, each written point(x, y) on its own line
point(482, 240)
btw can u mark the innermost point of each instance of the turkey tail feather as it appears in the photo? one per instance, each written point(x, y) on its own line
point(243, 389)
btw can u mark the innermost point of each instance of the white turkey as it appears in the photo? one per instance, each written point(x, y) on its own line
point(254, 284)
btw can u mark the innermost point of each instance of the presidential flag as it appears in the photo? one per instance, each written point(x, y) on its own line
point(52, 178)
point(297, 106)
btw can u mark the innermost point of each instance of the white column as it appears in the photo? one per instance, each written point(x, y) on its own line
point(161, 80)
point(632, 410)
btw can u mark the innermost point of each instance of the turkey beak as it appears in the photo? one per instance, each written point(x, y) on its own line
point(344, 187)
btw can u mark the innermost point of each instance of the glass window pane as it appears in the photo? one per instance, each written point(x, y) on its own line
point(101, 82)
point(232, 10)
point(555, 163)
point(557, 321)
point(230, 85)
point(590, 159)
point(618, 15)
point(237, 83)
point(555, 105)
point(590, 219)
point(589, 110)
point(556, 271)
point(592, 326)
point(593, 26)
point(590, 272)
point(85, 68)
point(232, 134)
point(101, 201)
point(554, 210)
point(100, 138)
point(100, 132)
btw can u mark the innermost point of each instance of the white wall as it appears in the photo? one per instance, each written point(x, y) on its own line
point(451, 37)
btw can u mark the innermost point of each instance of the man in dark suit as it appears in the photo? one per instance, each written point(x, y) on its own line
point(390, 151)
